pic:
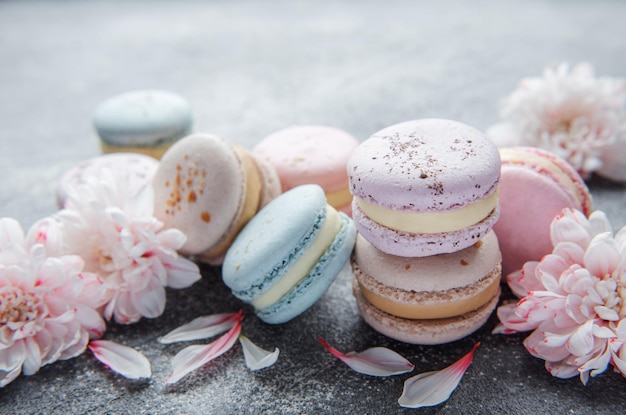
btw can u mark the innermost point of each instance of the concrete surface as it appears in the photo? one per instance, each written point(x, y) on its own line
point(249, 68)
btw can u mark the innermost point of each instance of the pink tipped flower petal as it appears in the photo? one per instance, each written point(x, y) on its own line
point(376, 361)
point(257, 358)
point(124, 360)
point(110, 224)
point(433, 388)
point(193, 357)
point(202, 328)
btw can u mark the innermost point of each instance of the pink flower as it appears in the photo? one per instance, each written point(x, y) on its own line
point(570, 113)
point(113, 228)
point(46, 301)
point(573, 300)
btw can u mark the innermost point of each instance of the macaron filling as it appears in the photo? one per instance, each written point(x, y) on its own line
point(430, 222)
point(152, 151)
point(339, 198)
point(303, 265)
point(251, 202)
point(422, 311)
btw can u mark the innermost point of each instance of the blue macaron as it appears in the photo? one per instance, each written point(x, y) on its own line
point(142, 121)
point(288, 255)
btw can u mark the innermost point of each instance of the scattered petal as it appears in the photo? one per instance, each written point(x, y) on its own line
point(193, 357)
point(257, 358)
point(433, 388)
point(124, 360)
point(376, 361)
point(202, 328)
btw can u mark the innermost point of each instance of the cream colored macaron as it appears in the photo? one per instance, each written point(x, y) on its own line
point(209, 189)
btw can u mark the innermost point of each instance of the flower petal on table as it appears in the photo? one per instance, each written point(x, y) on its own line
point(124, 360)
point(202, 328)
point(375, 361)
point(193, 357)
point(256, 357)
point(433, 388)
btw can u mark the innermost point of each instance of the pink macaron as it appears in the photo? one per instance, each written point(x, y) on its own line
point(139, 168)
point(425, 187)
point(427, 300)
point(311, 154)
point(535, 186)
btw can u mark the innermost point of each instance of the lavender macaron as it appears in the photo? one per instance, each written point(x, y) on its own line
point(425, 187)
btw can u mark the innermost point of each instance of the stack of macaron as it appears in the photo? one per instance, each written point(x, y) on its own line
point(289, 251)
point(427, 265)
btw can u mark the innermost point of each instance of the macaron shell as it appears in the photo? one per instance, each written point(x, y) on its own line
point(309, 154)
point(423, 332)
point(271, 182)
point(529, 201)
point(199, 188)
point(312, 287)
point(278, 235)
point(439, 278)
point(426, 165)
point(140, 170)
point(142, 118)
point(407, 244)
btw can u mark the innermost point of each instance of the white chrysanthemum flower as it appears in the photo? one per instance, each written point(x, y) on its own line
point(113, 229)
point(47, 303)
point(572, 114)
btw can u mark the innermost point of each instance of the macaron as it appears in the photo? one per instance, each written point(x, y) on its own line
point(424, 187)
point(209, 189)
point(139, 168)
point(288, 255)
point(535, 186)
point(143, 121)
point(427, 300)
point(312, 154)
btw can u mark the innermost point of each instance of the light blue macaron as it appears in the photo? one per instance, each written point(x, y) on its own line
point(274, 240)
point(142, 118)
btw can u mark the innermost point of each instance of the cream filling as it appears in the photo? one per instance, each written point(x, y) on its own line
point(430, 222)
point(339, 198)
point(432, 311)
point(152, 151)
point(512, 156)
point(303, 265)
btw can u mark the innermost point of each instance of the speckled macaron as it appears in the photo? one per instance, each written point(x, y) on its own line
point(427, 300)
point(312, 154)
point(140, 170)
point(425, 187)
point(143, 121)
point(288, 255)
point(209, 189)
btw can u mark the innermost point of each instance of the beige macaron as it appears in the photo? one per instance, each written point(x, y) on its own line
point(427, 300)
point(209, 189)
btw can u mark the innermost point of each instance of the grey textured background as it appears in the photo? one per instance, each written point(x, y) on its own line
point(250, 68)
